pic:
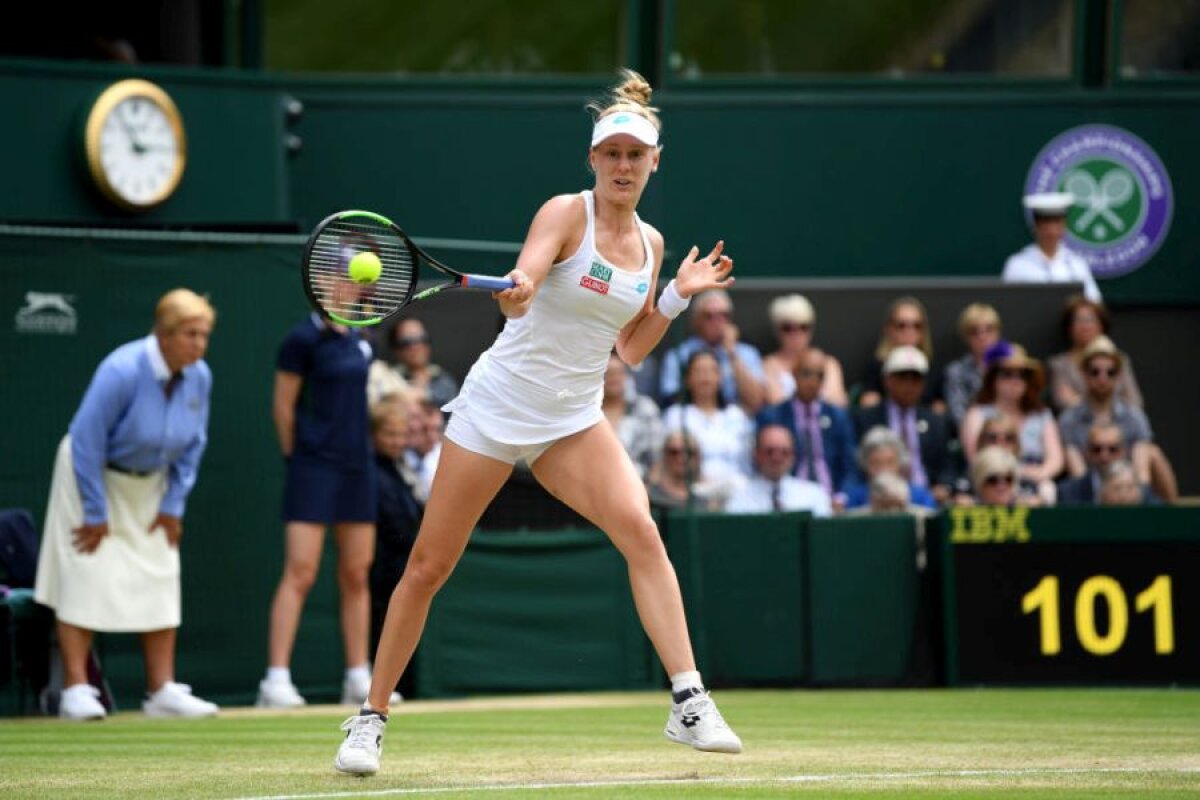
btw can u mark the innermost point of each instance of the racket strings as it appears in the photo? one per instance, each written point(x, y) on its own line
point(329, 269)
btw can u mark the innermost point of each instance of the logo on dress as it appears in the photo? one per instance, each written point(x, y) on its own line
point(1123, 195)
point(597, 278)
point(642, 287)
point(600, 271)
point(46, 312)
point(588, 282)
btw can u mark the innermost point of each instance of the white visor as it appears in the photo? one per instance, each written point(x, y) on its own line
point(635, 125)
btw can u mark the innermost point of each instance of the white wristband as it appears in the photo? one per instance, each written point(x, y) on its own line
point(670, 303)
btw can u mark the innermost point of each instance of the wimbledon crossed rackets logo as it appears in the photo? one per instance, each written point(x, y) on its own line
point(1104, 208)
point(1123, 195)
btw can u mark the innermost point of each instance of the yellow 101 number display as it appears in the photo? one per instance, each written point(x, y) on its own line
point(1044, 602)
point(1073, 596)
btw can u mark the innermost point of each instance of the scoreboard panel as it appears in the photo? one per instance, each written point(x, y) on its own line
point(1061, 596)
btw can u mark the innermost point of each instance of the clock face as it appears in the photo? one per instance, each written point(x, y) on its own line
point(135, 144)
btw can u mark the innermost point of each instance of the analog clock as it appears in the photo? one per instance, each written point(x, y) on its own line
point(135, 145)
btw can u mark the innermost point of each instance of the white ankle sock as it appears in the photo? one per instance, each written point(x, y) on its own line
point(686, 680)
point(359, 673)
point(279, 675)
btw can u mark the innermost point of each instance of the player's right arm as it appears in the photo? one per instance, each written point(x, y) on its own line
point(283, 409)
point(560, 221)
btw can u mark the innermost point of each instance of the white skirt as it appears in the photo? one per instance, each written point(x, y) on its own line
point(514, 411)
point(130, 583)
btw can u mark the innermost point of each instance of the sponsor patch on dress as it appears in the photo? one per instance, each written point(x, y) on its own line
point(600, 271)
point(588, 282)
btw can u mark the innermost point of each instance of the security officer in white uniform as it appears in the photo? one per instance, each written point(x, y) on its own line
point(1048, 260)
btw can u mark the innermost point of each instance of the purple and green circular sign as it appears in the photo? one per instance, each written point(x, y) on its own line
point(1123, 196)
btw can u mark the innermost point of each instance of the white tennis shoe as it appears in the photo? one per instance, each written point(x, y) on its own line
point(696, 722)
point(176, 700)
point(360, 751)
point(81, 702)
point(278, 694)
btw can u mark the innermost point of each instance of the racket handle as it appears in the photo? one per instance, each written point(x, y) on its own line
point(486, 282)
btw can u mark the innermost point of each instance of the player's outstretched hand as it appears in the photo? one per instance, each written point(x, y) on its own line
point(696, 275)
point(515, 302)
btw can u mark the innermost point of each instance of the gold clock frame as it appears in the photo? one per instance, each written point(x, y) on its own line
point(101, 108)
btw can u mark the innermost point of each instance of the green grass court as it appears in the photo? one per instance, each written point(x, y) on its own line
point(940, 743)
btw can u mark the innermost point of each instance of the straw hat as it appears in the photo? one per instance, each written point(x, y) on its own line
point(1101, 346)
point(1009, 355)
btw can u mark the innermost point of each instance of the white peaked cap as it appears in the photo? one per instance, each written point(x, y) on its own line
point(905, 358)
point(1049, 202)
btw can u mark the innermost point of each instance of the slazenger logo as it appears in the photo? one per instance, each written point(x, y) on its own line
point(46, 312)
point(1123, 195)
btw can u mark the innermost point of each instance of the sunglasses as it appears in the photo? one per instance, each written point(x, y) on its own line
point(716, 314)
point(902, 324)
point(1096, 372)
point(1010, 374)
point(1000, 437)
point(998, 480)
point(1111, 449)
point(412, 341)
point(777, 451)
point(793, 327)
point(979, 330)
point(678, 451)
point(811, 373)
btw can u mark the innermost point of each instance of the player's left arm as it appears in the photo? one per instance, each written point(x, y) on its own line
point(643, 333)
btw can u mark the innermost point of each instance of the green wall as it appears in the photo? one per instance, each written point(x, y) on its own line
point(837, 181)
point(535, 612)
point(232, 551)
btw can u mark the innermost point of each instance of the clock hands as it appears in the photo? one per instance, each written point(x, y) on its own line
point(131, 132)
point(160, 147)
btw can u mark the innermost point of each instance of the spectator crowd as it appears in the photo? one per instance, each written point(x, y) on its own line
point(714, 424)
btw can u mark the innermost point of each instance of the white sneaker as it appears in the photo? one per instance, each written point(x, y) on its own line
point(278, 694)
point(697, 722)
point(81, 702)
point(354, 693)
point(177, 700)
point(360, 750)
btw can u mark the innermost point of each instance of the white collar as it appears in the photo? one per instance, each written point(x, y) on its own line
point(158, 364)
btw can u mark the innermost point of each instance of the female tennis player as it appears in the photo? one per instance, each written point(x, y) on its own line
point(585, 279)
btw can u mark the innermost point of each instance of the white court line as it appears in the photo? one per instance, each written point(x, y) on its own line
point(833, 777)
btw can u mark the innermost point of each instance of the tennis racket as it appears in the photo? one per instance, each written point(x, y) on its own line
point(372, 291)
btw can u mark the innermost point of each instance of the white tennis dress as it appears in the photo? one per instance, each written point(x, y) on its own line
point(543, 377)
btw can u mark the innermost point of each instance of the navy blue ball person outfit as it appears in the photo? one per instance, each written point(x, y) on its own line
point(395, 532)
point(330, 474)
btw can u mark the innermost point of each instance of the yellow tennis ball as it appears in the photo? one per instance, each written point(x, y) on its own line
point(365, 267)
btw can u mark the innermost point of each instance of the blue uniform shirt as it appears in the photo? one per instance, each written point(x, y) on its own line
point(126, 419)
point(331, 411)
